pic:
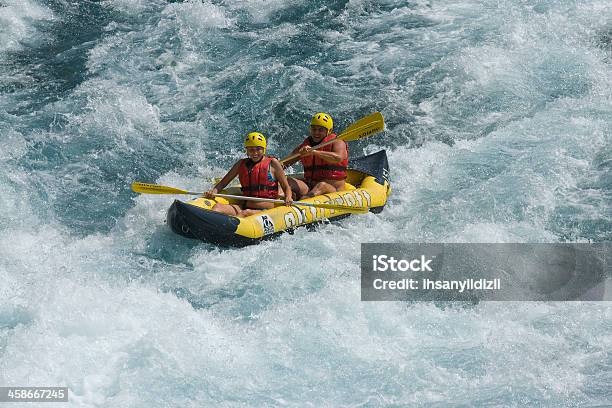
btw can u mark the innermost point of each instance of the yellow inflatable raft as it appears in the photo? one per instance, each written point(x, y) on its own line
point(367, 186)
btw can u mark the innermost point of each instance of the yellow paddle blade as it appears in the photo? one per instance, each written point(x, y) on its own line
point(146, 188)
point(359, 210)
point(364, 127)
point(339, 207)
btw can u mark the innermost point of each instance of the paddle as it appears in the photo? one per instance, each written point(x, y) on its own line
point(146, 188)
point(364, 127)
point(320, 205)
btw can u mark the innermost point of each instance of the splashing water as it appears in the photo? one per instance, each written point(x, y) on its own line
point(499, 118)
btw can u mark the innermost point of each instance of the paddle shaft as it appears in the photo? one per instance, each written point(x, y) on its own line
point(317, 147)
point(272, 200)
point(147, 188)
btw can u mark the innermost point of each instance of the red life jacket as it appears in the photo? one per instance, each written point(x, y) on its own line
point(317, 169)
point(254, 178)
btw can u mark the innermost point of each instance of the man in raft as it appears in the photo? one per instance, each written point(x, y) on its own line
point(259, 176)
point(325, 168)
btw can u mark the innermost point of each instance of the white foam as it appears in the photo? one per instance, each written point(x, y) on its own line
point(138, 316)
point(15, 145)
point(134, 8)
point(260, 10)
point(18, 20)
point(198, 15)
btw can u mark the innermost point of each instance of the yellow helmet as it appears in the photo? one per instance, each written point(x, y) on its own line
point(255, 139)
point(322, 119)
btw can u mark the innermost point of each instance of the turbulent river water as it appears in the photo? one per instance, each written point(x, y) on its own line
point(499, 124)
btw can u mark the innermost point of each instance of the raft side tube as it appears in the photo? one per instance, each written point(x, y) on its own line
point(206, 225)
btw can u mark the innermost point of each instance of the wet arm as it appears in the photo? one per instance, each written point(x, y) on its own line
point(279, 173)
point(228, 177)
point(337, 154)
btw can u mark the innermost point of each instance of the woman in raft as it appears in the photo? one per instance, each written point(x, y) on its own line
point(325, 169)
point(259, 175)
